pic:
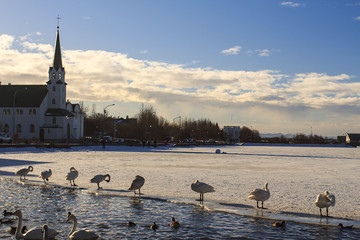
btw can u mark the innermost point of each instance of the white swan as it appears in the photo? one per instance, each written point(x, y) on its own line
point(72, 175)
point(45, 175)
point(99, 178)
point(45, 231)
point(260, 195)
point(137, 183)
point(201, 188)
point(79, 234)
point(325, 200)
point(174, 223)
point(22, 172)
point(33, 233)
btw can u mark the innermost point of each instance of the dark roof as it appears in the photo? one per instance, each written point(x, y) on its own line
point(33, 96)
point(57, 57)
point(58, 112)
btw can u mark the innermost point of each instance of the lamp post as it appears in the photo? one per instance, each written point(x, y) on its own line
point(14, 105)
point(105, 116)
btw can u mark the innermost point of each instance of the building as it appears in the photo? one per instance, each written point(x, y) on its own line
point(232, 133)
point(353, 139)
point(41, 112)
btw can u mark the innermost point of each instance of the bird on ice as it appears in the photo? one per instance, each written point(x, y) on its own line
point(260, 195)
point(325, 200)
point(99, 178)
point(201, 188)
point(24, 171)
point(45, 175)
point(72, 175)
point(137, 183)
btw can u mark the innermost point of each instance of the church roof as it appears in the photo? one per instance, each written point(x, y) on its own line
point(57, 56)
point(26, 96)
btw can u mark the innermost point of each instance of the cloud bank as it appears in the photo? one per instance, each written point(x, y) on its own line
point(266, 99)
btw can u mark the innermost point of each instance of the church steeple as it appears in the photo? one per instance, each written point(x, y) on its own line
point(57, 56)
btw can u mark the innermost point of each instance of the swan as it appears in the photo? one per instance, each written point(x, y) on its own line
point(45, 231)
point(72, 175)
point(22, 172)
point(260, 195)
point(154, 226)
point(201, 188)
point(325, 200)
point(345, 227)
point(79, 234)
point(137, 183)
point(174, 224)
point(45, 175)
point(99, 178)
point(33, 233)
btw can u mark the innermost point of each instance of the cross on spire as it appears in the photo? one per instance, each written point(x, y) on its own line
point(58, 21)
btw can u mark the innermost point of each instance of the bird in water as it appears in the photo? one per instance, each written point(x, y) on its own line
point(325, 200)
point(33, 233)
point(24, 171)
point(279, 224)
point(13, 230)
point(131, 224)
point(99, 178)
point(201, 188)
point(45, 231)
point(72, 175)
point(45, 175)
point(154, 226)
point(79, 234)
point(137, 183)
point(174, 223)
point(260, 195)
point(345, 227)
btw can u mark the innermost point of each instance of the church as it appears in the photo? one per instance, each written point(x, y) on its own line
point(41, 112)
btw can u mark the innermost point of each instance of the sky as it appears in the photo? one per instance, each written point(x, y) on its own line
point(274, 66)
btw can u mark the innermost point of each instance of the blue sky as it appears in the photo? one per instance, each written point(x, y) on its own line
point(277, 66)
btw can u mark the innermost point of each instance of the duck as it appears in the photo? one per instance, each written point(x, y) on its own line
point(72, 175)
point(131, 224)
point(45, 175)
point(174, 223)
point(22, 172)
point(99, 178)
point(137, 183)
point(154, 226)
point(260, 195)
point(325, 200)
point(201, 187)
point(79, 234)
point(279, 224)
point(45, 231)
point(345, 227)
point(33, 233)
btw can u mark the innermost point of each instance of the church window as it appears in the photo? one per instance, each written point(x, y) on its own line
point(54, 120)
point(32, 128)
point(18, 128)
point(4, 111)
point(19, 112)
point(8, 111)
point(53, 101)
point(34, 111)
point(53, 89)
point(53, 75)
point(30, 112)
point(6, 128)
point(59, 75)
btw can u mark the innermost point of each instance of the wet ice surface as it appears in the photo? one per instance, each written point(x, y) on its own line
point(295, 175)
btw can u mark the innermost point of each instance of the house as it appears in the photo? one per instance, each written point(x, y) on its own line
point(353, 139)
point(41, 112)
point(232, 133)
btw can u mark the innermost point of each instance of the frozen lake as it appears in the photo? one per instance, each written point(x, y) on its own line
point(295, 175)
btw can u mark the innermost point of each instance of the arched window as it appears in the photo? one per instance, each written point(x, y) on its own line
point(53, 88)
point(53, 101)
point(54, 120)
point(32, 128)
point(18, 128)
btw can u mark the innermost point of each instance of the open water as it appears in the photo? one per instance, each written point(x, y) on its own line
point(107, 215)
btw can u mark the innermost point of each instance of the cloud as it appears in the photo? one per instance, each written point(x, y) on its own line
point(232, 51)
point(263, 52)
point(290, 4)
point(100, 76)
point(357, 18)
point(144, 52)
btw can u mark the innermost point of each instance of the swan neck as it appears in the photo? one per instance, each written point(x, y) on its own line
point(18, 233)
point(74, 226)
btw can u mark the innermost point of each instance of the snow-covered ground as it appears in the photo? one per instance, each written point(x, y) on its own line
point(295, 174)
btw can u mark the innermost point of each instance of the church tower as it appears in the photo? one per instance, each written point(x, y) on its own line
point(56, 85)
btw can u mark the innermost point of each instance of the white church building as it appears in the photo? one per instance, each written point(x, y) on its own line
point(41, 112)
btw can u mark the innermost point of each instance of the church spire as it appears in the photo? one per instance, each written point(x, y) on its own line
point(57, 56)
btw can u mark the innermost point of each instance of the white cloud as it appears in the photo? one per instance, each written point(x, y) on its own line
point(232, 51)
point(6, 41)
point(357, 18)
point(263, 52)
point(144, 52)
point(290, 4)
